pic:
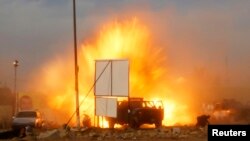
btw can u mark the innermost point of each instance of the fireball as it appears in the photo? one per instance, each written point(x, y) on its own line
point(116, 40)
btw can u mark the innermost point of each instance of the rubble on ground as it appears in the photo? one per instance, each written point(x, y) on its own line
point(177, 133)
point(92, 133)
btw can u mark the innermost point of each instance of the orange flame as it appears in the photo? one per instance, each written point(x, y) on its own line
point(103, 123)
point(118, 40)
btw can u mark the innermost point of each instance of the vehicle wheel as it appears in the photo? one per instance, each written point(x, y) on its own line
point(158, 123)
point(134, 123)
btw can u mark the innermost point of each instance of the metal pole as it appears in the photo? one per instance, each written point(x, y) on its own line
point(15, 63)
point(76, 68)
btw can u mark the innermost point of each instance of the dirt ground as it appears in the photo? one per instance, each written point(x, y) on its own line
point(162, 134)
point(183, 133)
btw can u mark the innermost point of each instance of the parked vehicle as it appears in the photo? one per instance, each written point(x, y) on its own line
point(136, 112)
point(27, 118)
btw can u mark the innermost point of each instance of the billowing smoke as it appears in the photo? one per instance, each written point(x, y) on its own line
point(228, 111)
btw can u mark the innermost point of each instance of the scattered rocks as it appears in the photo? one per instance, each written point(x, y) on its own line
point(164, 133)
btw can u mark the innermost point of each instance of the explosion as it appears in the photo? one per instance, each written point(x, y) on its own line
point(117, 40)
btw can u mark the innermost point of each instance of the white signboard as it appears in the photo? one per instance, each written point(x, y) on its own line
point(103, 78)
point(112, 78)
point(120, 78)
point(106, 107)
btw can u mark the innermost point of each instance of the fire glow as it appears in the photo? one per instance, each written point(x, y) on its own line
point(119, 40)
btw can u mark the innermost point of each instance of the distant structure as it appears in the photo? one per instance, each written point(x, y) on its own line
point(7, 107)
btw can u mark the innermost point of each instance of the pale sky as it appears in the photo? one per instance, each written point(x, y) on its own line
point(213, 34)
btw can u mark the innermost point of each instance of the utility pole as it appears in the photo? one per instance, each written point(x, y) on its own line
point(15, 63)
point(76, 68)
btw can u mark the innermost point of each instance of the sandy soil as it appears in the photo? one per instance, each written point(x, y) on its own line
point(90, 134)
